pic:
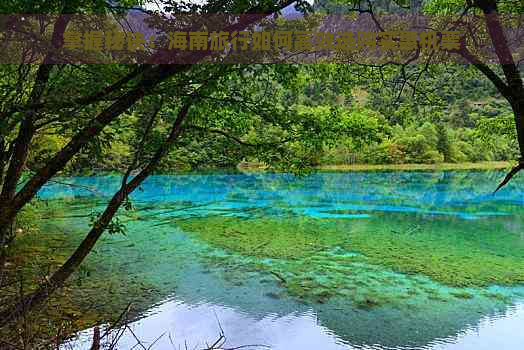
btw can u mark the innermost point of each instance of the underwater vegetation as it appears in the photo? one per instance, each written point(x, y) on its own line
point(451, 258)
point(367, 262)
point(285, 238)
point(101, 288)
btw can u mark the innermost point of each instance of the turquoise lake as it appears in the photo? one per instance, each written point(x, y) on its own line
point(354, 298)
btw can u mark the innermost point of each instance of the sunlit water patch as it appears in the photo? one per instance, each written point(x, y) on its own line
point(393, 260)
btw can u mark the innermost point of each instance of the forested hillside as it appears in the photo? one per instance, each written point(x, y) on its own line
point(460, 117)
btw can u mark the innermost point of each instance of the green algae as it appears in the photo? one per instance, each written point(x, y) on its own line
point(449, 255)
point(286, 238)
point(498, 296)
point(452, 257)
point(462, 295)
point(341, 266)
point(99, 290)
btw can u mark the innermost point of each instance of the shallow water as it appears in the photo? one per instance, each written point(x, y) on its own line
point(201, 286)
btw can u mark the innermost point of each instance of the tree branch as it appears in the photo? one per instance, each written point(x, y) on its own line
point(510, 175)
point(59, 277)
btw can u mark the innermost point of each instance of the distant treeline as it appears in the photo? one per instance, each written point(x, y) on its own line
point(461, 119)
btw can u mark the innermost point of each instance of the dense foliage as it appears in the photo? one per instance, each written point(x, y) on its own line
point(465, 120)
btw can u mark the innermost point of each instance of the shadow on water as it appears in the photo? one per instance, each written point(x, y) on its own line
point(410, 274)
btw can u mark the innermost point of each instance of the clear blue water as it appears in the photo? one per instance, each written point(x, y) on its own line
point(465, 195)
point(253, 308)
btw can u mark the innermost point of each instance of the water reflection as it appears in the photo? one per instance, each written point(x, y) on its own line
point(175, 324)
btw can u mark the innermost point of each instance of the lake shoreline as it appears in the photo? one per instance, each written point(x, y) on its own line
point(488, 165)
point(255, 167)
point(498, 165)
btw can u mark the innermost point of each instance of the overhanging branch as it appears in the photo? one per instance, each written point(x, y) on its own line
point(510, 175)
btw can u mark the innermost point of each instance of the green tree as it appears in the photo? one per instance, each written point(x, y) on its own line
point(55, 92)
point(443, 142)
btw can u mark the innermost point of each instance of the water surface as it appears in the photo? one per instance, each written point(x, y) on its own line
point(368, 304)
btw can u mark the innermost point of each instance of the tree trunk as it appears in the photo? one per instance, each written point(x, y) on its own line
point(58, 162)
point(19, 157)
point(60, 276)
point(509, 67)
point(518, 111)
point(27, 131)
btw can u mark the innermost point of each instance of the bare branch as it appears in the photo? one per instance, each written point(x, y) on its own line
point(510, 175)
